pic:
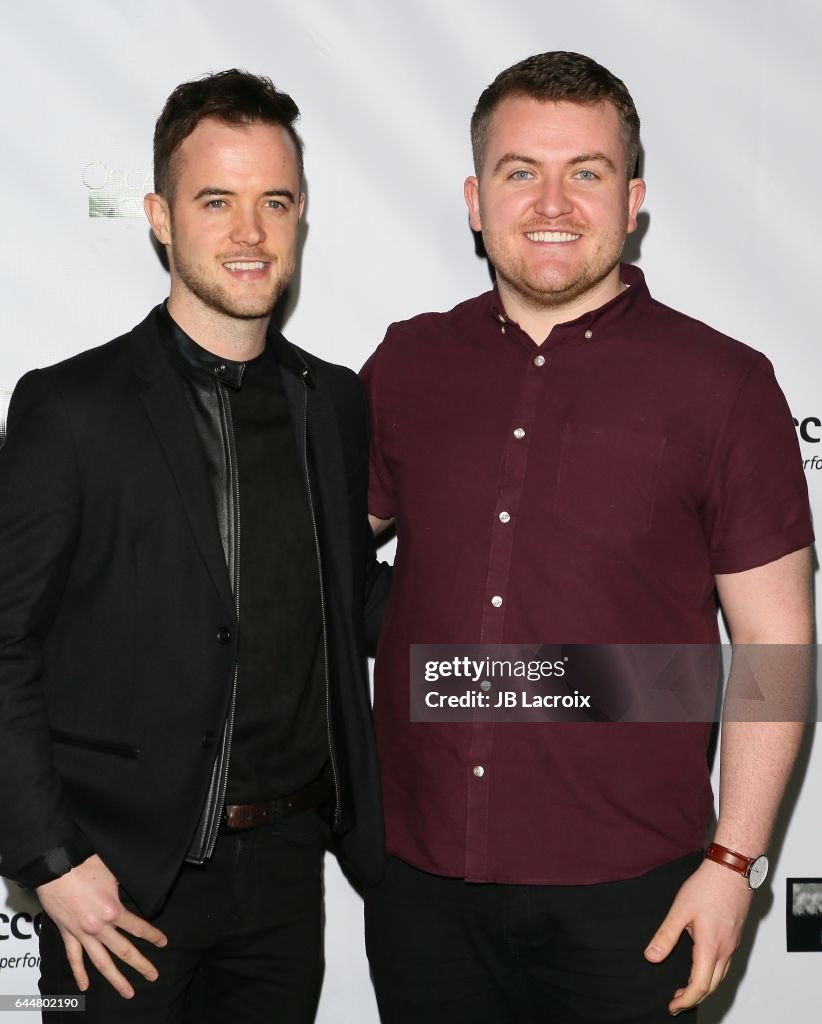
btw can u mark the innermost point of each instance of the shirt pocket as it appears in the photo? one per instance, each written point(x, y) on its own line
point(607, 480)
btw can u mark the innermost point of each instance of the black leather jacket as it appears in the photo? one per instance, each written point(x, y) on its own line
point(208, 377)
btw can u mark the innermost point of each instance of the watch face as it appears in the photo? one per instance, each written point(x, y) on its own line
point(757, 873)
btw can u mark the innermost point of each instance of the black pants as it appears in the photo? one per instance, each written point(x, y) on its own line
point(444, 951)
point(245, 939)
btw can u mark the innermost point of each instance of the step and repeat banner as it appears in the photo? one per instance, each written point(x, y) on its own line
point(729, 95)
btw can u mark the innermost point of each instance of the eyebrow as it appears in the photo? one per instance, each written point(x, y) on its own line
point(583, 158)
point(213, 191)
point(514, 158)
point(589, 158)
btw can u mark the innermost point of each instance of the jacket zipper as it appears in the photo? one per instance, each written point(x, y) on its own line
point(212, 819)
point(332, 755)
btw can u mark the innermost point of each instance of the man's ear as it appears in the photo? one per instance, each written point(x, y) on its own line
point(636, 197)
point(159, 217)
point(471, 193)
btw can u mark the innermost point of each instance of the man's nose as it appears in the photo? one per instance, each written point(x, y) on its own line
point(247, 226)
point(553, 198)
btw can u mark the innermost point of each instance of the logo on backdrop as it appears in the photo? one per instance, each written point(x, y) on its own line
point(21, 927)
point(115, 191)
point(803, 906)
point(809, 432)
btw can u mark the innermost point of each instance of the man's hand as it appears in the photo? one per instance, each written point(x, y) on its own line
point(711, 906)
point(85, 906)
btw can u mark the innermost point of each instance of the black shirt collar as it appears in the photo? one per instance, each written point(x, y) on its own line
point(196, 361)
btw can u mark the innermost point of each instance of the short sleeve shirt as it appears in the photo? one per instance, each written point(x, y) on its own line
point(583, 491)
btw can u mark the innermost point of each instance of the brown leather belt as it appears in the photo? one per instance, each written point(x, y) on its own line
point(242, 816)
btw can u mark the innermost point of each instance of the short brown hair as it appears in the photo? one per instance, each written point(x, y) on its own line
point(557, 77)
point(233, 97)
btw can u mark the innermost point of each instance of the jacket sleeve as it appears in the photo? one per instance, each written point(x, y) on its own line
point(377, 589)
point(39, 526)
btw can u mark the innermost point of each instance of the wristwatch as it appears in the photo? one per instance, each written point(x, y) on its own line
point(752, 869)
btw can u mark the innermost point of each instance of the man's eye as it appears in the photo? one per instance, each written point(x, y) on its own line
point(521, 175)
point(215, 204)
point(586, 175)
point(274, 204)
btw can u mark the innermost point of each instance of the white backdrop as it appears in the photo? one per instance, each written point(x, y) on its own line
point(728, 92)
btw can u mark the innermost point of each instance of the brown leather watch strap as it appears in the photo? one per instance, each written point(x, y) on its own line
point(734, 861)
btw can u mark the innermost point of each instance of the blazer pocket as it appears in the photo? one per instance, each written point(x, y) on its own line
point(607, 480)
point(72, 739)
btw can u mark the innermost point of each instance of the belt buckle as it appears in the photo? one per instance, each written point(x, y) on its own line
point(242, 817)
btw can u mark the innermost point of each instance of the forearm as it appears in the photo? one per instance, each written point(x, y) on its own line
point(36, 820)
point(756, 761)
point(770, 618)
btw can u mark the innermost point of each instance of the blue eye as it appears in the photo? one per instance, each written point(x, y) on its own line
point(521, 175)
point(586, 175)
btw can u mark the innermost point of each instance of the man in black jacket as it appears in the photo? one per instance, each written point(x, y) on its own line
point(183, 701)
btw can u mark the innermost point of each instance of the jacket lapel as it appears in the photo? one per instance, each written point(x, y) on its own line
point(315, 423)
point(164, 401)
point(332, 485)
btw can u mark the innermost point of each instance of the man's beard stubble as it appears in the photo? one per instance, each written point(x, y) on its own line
point(220, 299)
point(529, 285)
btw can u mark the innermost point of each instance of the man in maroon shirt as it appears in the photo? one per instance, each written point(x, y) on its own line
point(569, 461)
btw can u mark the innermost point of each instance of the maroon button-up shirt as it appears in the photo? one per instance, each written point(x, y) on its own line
point(582, 491)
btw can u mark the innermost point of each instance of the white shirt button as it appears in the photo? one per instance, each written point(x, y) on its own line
point(589, 335)
point(519, 433)
point(496, 601)
point(478, 770)
point(539, 360)
point(505, 517)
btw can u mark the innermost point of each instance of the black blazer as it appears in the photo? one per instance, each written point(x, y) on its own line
point(114, 686)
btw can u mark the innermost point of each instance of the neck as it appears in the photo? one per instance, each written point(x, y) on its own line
point(538, 321)
point(223, 335)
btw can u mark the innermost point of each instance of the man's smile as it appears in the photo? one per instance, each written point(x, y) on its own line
point(551, 236)
point(247, 270)
point(246, 265)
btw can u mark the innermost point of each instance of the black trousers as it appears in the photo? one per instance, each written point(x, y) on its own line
point(443, 951)
point(245, 939)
